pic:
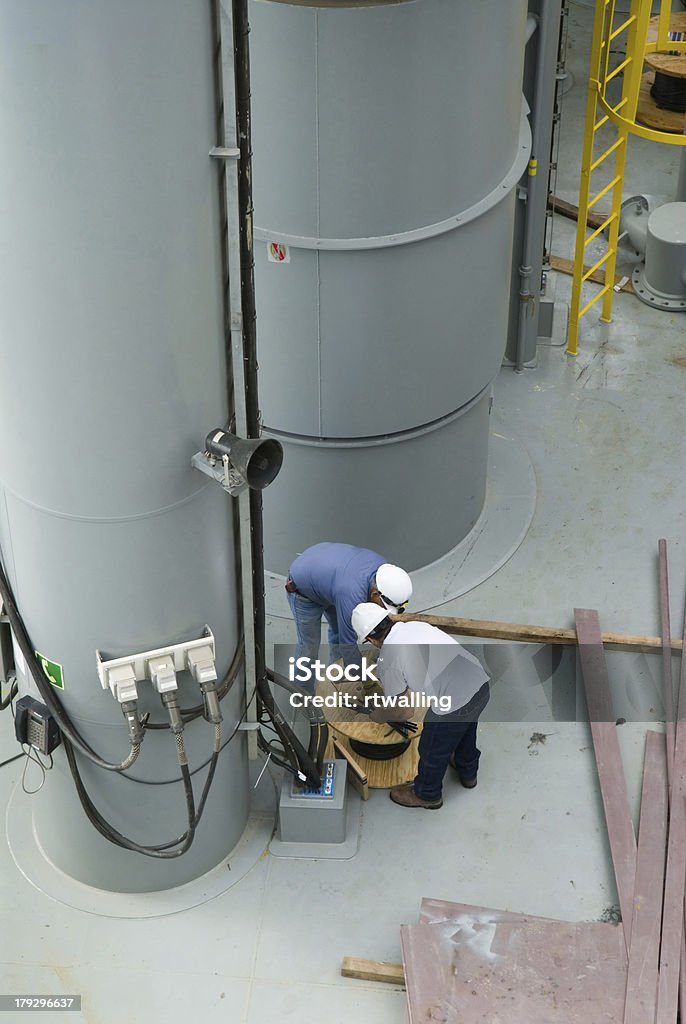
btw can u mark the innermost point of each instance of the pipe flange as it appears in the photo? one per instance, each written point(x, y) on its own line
point(651, 297)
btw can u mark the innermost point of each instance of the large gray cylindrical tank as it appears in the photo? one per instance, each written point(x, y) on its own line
point(112, 347)
point(387, 143)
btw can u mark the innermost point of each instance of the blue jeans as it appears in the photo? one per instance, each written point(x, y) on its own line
point(308, 623)
point(444, 735)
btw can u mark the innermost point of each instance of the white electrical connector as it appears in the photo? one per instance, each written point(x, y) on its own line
point(161, 666)
point(201, 665)
point(122, 683)
point(163, 674)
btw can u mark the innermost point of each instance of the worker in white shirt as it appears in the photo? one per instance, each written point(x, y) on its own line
point(415, 656)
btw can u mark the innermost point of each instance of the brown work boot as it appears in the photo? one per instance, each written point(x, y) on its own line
point(467, 783)
point(406, 797)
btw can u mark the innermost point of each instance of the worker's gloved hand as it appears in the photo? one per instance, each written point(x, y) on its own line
point(361, 708)
point(405, 728)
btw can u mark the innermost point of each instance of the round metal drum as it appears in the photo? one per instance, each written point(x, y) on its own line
point(387, 144)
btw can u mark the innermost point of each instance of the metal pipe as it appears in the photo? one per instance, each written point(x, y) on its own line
point(228, 136)
point(536, 198)
point(241, 32)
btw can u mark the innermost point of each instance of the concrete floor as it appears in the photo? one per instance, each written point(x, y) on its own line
point(605, 434)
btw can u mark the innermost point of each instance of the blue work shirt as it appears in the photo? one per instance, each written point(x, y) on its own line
point(340, 575)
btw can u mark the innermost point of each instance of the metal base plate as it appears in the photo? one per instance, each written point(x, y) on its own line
point(500, 529)
point(42, 873)
point(646, 294)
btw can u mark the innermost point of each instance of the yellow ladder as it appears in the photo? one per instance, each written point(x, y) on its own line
point(633, 31)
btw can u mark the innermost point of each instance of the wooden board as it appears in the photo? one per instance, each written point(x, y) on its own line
point(518, 633)
point(569, 210)
point(667, 682)
point(373, 970)
point(566, 266)
point(673, 907)
point(345, 725)
point(468, 916)
point(641, 988)
point(670, 63)
point(522, 972)
point(652, 116)
point(673, 950)
point(609, 762)
point(357, 777)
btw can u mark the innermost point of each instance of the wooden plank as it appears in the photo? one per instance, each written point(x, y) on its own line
point(608, 761)
point(356, 776)
point(468, 916)
point(571, 211)
point(519, 633)
point(667, 682)
point(566, 266)
point(673, 908)
point(644, 954)
point(673, 952)
point(373, 970)
point(671, 64)
point(533, 971)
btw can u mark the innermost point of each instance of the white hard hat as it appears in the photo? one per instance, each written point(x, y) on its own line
point(394, 586)
point(366, 617)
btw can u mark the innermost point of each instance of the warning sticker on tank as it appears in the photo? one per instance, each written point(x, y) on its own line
point(278, 252)
point(52, 669)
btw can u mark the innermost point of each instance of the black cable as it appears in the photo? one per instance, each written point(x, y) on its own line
point(60, 715)
point(319, 730)
point(275, 756)
point(321, 747)
point(379, 751)
point(669, 92)
point(301, 763)
point(71, 739)
point(169, 782)
point(64, 722)
point(10, 759)
point(14, 690)
point(112, 835)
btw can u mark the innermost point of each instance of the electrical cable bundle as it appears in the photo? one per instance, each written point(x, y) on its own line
point(6, 701)
point(296, 759)
point(292, 756)
point(669, 92)
point(73, 741)
point(310, 764)
point(64, 722)
point(379, 751)
point(163, 851)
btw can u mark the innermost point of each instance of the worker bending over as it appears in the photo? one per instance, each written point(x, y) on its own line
point(415, 656)
point(330, 579)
